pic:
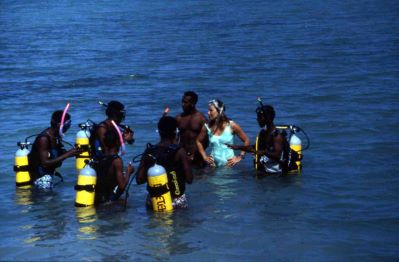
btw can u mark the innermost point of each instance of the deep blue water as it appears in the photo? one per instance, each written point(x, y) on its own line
point(330, 67)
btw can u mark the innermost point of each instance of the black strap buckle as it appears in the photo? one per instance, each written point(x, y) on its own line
point(158, 190)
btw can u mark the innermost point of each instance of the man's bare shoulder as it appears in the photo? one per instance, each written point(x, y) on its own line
point(199, 116)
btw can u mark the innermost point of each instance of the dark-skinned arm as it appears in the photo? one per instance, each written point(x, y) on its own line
point(44, 149)
point(278, 147)
point(246, 148)
point(141, 176)
point(121, 179)
point(277, 144)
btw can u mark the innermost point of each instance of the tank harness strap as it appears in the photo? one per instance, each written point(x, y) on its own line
point(88, 188)
point(83, 147)
point(24, 168)
point(23, 183)
point(157, 191)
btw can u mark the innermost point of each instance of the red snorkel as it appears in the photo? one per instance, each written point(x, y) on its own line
point(61, 133)
point(120, 138)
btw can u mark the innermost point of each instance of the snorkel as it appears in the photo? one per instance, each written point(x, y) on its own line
point(103, 104)
point(61, 131)
point(259, 100)
point(123, 149)
point(262, 117)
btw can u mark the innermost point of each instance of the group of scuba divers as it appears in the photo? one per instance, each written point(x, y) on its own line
point(167, 166)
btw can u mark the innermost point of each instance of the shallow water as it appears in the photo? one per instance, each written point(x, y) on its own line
point(330, 68)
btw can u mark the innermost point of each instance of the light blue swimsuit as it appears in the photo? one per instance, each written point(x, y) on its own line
point(220, 152)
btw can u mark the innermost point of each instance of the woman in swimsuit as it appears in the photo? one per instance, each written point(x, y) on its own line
point(220, 131)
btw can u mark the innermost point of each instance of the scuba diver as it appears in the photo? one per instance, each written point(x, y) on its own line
point(172, 157)
point(111, 180)
point(190, 122)
point(272, 151)
point(48, 152)
point(115, 112)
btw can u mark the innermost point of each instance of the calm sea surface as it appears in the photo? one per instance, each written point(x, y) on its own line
point(330, 67)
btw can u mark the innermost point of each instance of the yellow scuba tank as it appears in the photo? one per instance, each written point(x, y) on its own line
point(158, 188)
point(296, 145)
point(21, 167)
point(82, 142)
point(85, 186)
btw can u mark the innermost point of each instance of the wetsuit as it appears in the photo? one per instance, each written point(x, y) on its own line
point(43, 177)
point(107, 185)
point(176, 179)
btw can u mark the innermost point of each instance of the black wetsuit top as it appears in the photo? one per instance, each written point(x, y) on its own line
point(166, 157)
point(35, 168)
point(106, 180)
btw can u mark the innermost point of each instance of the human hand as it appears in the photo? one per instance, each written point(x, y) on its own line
point(128, 136)
point(233, 161)
point(75, 151)
point(210, 161)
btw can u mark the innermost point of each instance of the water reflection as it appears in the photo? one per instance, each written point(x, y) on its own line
point(86, 217)
point(164, 233)
point(23, 196)
point(45, 216)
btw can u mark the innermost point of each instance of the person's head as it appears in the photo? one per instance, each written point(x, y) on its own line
point(265, 115)
point(56, 118)
point(111, 139)
point(217, 113)
point(167, 127)
point(216, 108)
point(189, 101)
point(116, 111)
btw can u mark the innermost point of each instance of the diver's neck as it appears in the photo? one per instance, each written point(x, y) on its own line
point(269, 127)
point(167, 142)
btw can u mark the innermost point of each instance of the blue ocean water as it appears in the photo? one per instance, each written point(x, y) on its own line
point(330, 67)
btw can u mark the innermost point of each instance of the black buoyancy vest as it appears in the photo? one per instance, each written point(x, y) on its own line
point(36, 169)
point(165, 156)
point(95, 145)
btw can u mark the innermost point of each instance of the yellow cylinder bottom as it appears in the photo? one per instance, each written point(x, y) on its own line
point(298, 149)
point(83, 197)
point(22, 176)
point(161, 203)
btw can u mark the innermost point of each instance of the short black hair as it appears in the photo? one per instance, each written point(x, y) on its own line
point(56, 117)
point(114, 109)
point(167, 126)
point(193, 96)
point(266, 111)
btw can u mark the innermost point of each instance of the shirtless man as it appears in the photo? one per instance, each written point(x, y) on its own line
point(190, 123)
